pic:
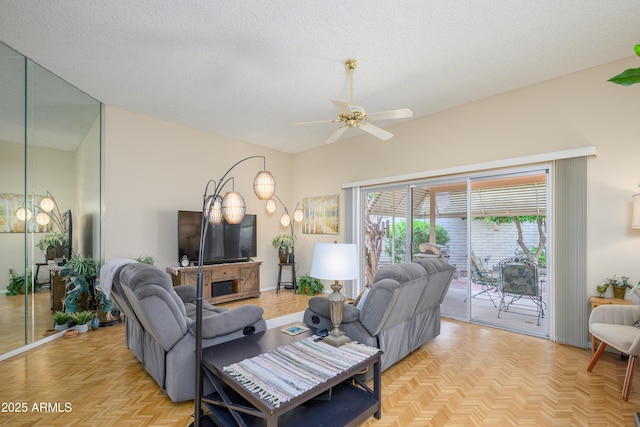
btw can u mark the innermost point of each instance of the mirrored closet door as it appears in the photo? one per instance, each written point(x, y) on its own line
point(50, 185)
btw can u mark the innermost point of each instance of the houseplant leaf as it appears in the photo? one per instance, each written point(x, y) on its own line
point(627, 77)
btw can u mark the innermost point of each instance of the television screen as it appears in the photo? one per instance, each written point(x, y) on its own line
point(224, 242)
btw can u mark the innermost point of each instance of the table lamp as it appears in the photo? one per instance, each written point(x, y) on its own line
point(335, 261)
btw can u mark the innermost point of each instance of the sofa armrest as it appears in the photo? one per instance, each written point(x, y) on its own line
point(320, 306)
point(229, 321)
point(187, 293)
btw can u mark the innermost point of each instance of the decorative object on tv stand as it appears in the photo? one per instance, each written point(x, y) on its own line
point(335, 261)
point(283, 242)
point(232, 208)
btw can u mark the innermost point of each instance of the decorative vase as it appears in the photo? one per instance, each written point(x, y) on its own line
point(282, 254)
point(95, 323)
point(618, 292)
point(82, 328)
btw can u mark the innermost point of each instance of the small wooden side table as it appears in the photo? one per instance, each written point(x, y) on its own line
point(596, 301)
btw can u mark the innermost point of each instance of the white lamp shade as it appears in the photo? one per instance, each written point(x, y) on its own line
point(24, 214)
point(214, 211)
point(43, 218)
point(271, 206)
point(233, 207)
point(334, 261)
point(264, 185)
point(635, 216)
point(47, 204)
point(298, 215)
point(285, 220)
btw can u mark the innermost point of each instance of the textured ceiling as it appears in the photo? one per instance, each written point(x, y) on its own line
point(249, 69)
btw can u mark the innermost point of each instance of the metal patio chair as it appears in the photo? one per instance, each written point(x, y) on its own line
point(519, 279)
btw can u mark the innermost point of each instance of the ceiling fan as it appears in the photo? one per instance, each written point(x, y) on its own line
point(353, 115)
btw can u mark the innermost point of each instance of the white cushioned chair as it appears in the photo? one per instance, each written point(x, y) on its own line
point(614, 326)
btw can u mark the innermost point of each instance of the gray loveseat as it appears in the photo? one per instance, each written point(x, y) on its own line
point(160, 326)
point(401, 311)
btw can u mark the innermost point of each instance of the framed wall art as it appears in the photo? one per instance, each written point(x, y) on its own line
point(320, 215)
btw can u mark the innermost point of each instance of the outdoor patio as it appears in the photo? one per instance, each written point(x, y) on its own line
point(483, 310)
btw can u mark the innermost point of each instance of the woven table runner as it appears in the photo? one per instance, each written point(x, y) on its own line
point(288, 371)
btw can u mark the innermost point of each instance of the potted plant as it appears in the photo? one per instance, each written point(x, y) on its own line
point(86, 267)
point(17, 283)
point(60, 320)
point(146, 259)
point(284, 244)
point(619, 285)
point(53, 244)
point(309, 285)
point(82, 319)
point(628, 77)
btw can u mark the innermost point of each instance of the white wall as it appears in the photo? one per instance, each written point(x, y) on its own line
point(154, 168)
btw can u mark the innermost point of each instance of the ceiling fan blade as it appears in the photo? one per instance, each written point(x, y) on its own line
point(376, 131)
point(337, 134)
point(314, 123)
point(402, 113)
point(342, 106)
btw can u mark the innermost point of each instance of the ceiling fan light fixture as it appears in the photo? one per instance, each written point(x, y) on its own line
point(355, 115)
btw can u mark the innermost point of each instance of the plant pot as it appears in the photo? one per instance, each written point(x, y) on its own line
point(82, 328)
point(619, 292)
point(60, 327)
point(282, 254)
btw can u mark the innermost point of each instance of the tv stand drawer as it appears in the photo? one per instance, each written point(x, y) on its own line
point(224, 272)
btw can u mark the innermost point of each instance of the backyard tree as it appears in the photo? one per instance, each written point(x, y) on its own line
point(396, 246)
point(533, 255)
point(374, 231)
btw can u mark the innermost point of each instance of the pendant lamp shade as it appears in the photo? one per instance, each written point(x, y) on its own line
point(47, 204)
point(271, 206)
point(298, 215)
point(214, 211)
point(264, 185)
point(24, 214)
point(285, 220)
point(233, 207)
point(43, 218)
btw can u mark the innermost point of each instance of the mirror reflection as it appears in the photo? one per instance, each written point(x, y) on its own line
point(50, 192)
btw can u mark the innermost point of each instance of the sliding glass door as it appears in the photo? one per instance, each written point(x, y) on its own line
point(477, 224)
point(508, 236)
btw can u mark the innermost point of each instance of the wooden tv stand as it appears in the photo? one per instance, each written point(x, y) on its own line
point(222, 282)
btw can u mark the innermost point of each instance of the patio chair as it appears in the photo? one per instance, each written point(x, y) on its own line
point(487, 282)
point(519, 279)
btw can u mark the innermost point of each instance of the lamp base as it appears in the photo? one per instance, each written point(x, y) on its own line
point(336, 340)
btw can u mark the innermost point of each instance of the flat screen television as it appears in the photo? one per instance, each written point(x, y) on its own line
point(224, 242)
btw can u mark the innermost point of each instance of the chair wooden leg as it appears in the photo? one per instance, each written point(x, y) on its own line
point(628, 377)
point(596, 356)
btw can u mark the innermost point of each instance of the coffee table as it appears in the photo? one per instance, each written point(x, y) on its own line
point(345, 400)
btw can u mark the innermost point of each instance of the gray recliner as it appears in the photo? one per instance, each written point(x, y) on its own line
point(400, 313)
point(160, 326)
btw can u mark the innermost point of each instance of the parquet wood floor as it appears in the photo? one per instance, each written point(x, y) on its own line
point(468, 376)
